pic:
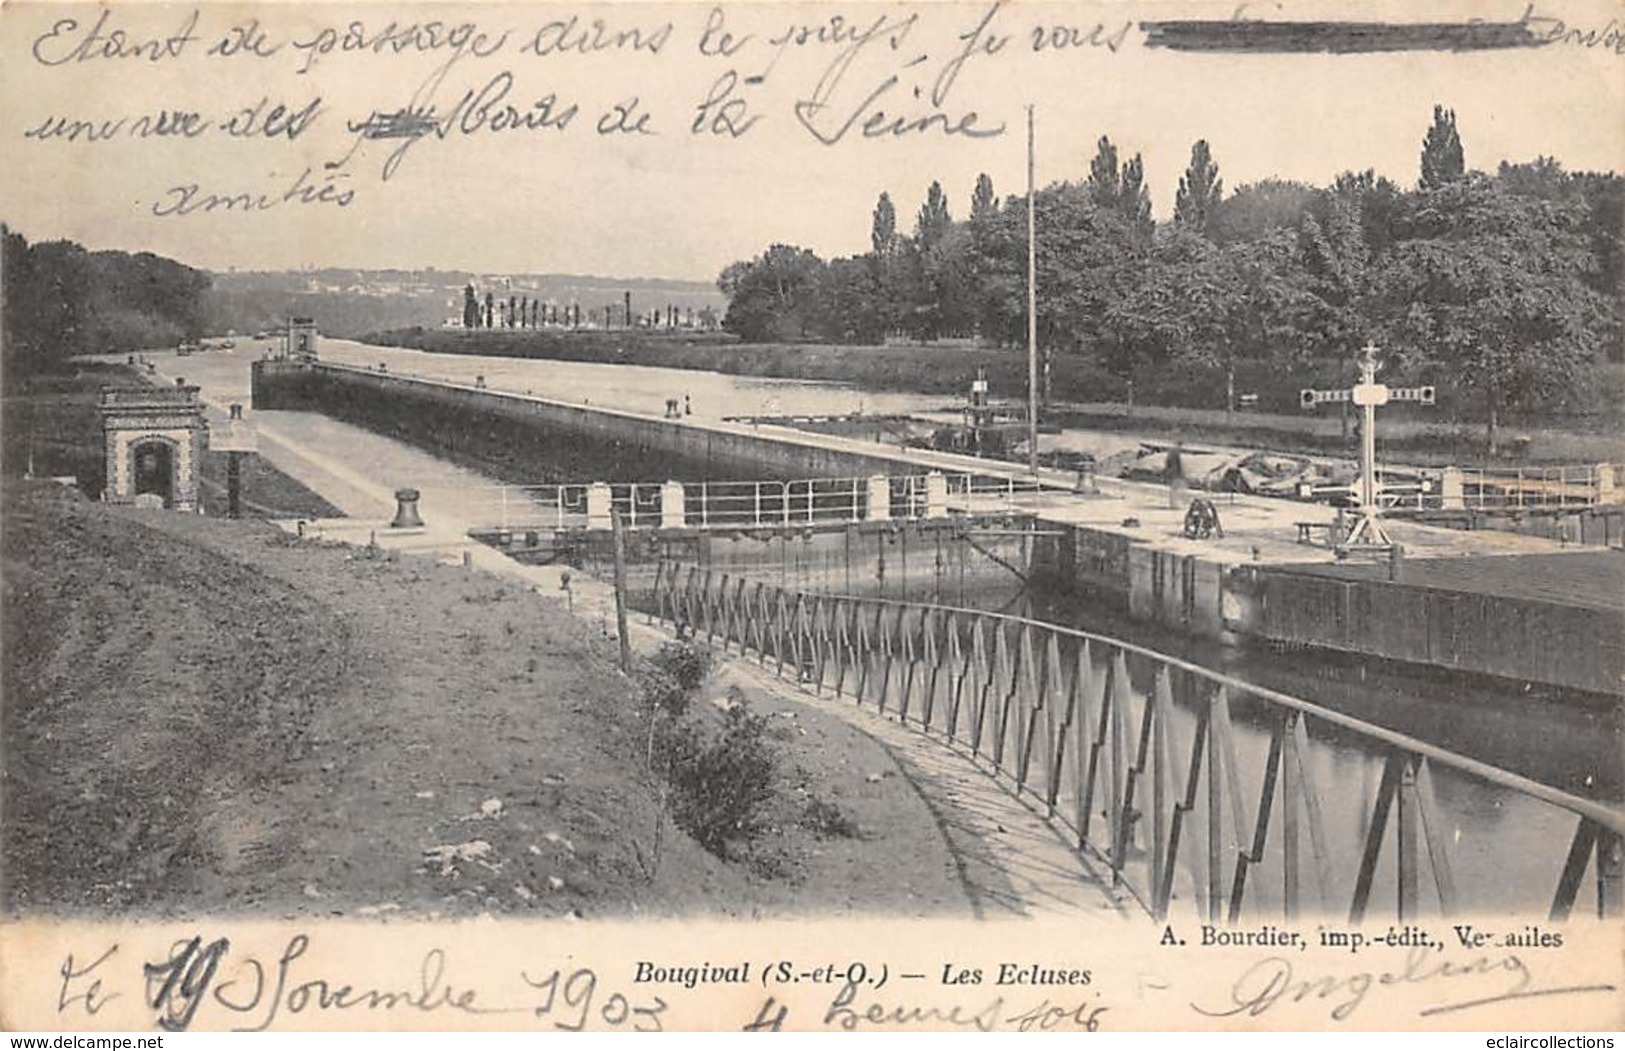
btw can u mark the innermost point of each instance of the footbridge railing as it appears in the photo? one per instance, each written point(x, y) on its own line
point(1196, 789)
point(745, 504)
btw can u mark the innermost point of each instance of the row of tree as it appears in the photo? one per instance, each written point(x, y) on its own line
point(1510, 284)
point(60, 300)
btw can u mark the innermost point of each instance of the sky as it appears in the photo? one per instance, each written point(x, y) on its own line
point(496, 189)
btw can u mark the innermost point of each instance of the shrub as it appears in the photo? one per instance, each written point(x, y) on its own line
point(720, 787)
point(685, 662)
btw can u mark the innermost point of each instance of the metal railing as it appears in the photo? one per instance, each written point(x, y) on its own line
point(1189, 784)
point(742, 505)
point(1513, 488)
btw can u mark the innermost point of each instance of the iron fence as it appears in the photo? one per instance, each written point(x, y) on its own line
point(1138, 756)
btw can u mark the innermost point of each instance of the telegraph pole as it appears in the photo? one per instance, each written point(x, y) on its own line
point(1032, 308)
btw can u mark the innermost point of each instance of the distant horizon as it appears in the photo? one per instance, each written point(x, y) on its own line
point(905, 223)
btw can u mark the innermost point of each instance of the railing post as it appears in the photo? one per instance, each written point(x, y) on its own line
point(1215, 812)
point(1452, 490)
point(599, 501)
point(879, 509)
point(1604, 491)
point(673, 506)
point(1610, 873)
point(936, 495)
point(1408, 853)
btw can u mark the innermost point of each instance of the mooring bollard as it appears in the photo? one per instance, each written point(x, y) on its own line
point(406, 510)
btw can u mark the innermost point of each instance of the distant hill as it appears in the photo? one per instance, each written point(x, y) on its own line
point(348, 303)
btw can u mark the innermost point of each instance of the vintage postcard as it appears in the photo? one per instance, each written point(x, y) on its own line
point(955, 516)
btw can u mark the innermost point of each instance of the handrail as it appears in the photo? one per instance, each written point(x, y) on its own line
point(1611, 817)
point(1057, 723)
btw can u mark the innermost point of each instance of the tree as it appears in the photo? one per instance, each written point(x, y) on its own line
point(471, 308)
point(1133, 199)
point(773, 297)
point(850, 308)
point(1258, 209)
point(1105, 179)
point(1442, 159)
point(883, 230)
point(1088, 259)
point(982, 201)
point(1492, 289)
point(1120, 188)
point(933, 219)
point(1200, 190)
point(1211, 307)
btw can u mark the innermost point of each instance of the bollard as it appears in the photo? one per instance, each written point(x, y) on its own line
point(599, 500)
point(936, 495)
point(406, 510)
point(879, 498)
point(673, 506)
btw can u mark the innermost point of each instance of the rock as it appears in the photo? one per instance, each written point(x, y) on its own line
point(423, 795)
point(449, 855)
point(554, 883)
point(312, 892)
point(491, 809)
point(524, 892)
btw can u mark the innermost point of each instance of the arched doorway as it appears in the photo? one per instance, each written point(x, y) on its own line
point(155, 470)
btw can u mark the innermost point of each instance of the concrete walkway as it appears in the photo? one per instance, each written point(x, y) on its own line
point(998, 842)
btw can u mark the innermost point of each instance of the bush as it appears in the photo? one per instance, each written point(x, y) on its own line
point(662, 691)
point(685, 662)
point(720, 787)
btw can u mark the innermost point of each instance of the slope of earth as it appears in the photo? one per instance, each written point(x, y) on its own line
point(206, 716)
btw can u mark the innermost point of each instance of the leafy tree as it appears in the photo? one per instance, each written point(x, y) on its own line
point(1120, 188)
point(1105, 178)
point(1259, 209)
point(1442, 159)
point(1133, 199)
point(1380, 205)
point(982, 201)
point(883, 230)
point(1492, 289)
point(850, 306)
point(471, 308)
point(1199, 305)
point(1200, 190)
point(1088, 258)
point(933, 220)
point(774, 297)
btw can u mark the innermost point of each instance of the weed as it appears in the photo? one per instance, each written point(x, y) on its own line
point(825, 819)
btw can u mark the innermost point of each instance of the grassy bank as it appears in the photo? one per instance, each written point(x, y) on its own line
point(207, 716)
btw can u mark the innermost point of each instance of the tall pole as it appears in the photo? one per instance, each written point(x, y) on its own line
point(1032, 308)
point(1368, 436)
point(618, 540)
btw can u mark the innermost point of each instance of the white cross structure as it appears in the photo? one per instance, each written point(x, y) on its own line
point(1367, 533)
